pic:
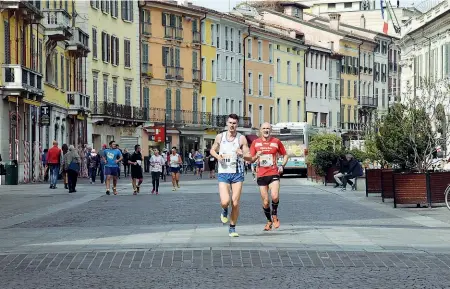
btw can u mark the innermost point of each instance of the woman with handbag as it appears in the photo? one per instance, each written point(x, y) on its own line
point(72, 166)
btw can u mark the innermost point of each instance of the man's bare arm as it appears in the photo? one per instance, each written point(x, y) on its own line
point(215, 147)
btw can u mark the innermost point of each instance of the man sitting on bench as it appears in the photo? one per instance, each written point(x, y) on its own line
point(354, 170)
point(342, 165)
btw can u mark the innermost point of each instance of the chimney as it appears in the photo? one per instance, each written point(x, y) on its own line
point(335, 19)
point(362, 21)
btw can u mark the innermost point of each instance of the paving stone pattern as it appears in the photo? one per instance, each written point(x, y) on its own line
point(221, 259)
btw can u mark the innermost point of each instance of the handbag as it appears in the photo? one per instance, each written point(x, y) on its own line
point(74, 166)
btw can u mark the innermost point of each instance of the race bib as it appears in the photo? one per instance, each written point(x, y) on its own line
point(139, 162)
point(229, 160)
point(266, 161)
point(157, 165)
point(211, 159)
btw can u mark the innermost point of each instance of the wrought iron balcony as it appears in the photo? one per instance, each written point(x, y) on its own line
point(195, 75)
point(174, 73)
point(350, 126)
point(368, 102)
point(18, 79)
point(29, 10)
point(147, 70)
point(195, 37)
point(57, 24)
point(78, 102)
point(111, 110)
point(79, 41)
point(191, 118)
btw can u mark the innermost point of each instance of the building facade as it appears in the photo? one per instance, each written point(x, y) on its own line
point(318, 99)
point(287, 84)
point(367, 101)
point(113, 67)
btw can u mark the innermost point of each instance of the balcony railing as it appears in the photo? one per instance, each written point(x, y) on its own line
point(78, 102)
point(31, 8)
point(118, 111)
point(368, 101)
point(195, 75)
point(146, 28)
point(19, 78)
point(57, 24)
point(147, 70)
point(188, 117)
point(351, 126)
point(196, 37)
point(79, 40)
point(174, 73)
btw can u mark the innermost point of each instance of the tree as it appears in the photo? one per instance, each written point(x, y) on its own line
point(323, 152)
point(413, 130)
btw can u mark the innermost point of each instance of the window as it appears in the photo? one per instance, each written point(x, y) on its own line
point(106, 44)
point(249, 48)
point(218, 64)
point(146, 103)
point(348, 88)
point(68, 74)
point(289, 72)
point(213, 70)
point(270, 86)
point(299, 111)
point(270, 53)
point(342, 88)
point(62, 71)
point(306, 88)
point(261, 115)
point(278, 110)
point(278, 70)
point(127, 54)
point(240, 42)
point(289, 110)
point(114, 90)
point(115, 51)
point(213, 35)
point(178, 104)
point(203, 68)
point(250, 83)
point(330, 119)
point(218, 36)
point(299, 81)
point(127, 93)
point(260, 84)
point(127, 10)
point(325, 90)
point(105, 87)
point(169, 103)
point(226, 68)
point(233, 71)
point(271, 118)
point(260, 56)
point(226, 38)
point(94, 43)
point(114, 8)
point(203, 28)
point(240, 69)
point(232, 38)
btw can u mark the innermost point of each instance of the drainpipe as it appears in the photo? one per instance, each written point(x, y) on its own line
point(201, 55)
point(359, 80)
point(245, 56)
point(305, 118)
point(140, 6)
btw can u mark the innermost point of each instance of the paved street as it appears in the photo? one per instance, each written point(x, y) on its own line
point(327, 239)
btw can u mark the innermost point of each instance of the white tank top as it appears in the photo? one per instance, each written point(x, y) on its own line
point(227, 149)
point(174, 161)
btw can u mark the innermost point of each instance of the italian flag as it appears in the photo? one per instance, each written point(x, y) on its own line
point(385, 16)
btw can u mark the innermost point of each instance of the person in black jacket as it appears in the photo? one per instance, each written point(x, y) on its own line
point(342, 165)
point(126, 165)
point(354, 170)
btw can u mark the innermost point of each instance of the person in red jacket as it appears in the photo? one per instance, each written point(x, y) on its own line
point(54, 163)
point(265, 151)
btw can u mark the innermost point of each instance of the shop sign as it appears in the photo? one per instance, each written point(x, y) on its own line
point(45, 115)
point(159, 134)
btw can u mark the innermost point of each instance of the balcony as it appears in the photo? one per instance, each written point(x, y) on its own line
point(116, 114)
point(18, 79)
point(179, 118)
point(78, 102)
point(57, 24)
point(146, 28)
point(195, 37)
point(79, 42)
point(147, 70)
point(174, 73)
point(195, 75)
point(368, 102)
point(29, 10)
point(350, 126)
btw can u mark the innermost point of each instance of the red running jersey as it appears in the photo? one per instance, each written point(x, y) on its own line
point(267, 164)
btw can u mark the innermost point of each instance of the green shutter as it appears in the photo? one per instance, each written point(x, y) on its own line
point(177, 57)
point(194, 60)
point(178, 105)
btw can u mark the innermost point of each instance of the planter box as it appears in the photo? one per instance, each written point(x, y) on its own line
point(438, 183)
point(373, 181)
point(410, 188)
point(311, 171)
point(329, 177)
point(387, 185)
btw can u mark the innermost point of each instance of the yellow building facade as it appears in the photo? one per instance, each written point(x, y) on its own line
point(208, 64)
point(286, 86)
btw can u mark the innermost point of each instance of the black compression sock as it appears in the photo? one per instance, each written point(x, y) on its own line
point(232, 226)
point(267, 213)
point(274, 208)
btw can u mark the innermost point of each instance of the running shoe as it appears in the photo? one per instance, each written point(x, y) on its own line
point(134, 193)
point(232, 232)
point(276, 222)
point(108, 193)
point(157, 192)
point(153, 191)
point(224, 216)
point(114, 191)
point(174, 189)
point(268, 226)
point(138, 189)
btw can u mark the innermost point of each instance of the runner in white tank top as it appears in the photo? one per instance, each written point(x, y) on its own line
point(232, 147)
point(175, 162)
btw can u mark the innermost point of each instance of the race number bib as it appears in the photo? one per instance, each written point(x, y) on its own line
point(229, 160)
point(266, 161)
point(157, 165)
point(139, 162)
point(211, 159)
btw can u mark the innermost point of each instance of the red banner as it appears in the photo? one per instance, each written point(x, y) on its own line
point(159, 134)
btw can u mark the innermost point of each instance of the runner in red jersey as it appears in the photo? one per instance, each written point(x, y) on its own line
point(265, 151)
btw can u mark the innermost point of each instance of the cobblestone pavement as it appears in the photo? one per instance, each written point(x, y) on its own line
point(328, 239)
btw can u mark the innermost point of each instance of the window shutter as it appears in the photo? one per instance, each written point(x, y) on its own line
point(177, 57)
point(194, 60)
point(163, 19)
point(172, 57)
point(178, 100)
point(108, 48)
point(123, 8)
point(130, 3)
point(117, 51)
point(103, 46)
point(164, 56)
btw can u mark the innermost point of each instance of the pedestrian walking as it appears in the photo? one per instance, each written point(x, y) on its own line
point(126, 164)
point(266, 150)
point(198, 159)
point(112, 157)
point(72, 163)
point(135, 160)
point(231, 146)
point(93, 164)
point(156, 166)
point(54, 162)
point(175, 163)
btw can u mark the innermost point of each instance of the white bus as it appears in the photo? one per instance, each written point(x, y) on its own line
point(296, 137)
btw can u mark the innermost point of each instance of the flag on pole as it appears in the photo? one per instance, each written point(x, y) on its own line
point(385, 16)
